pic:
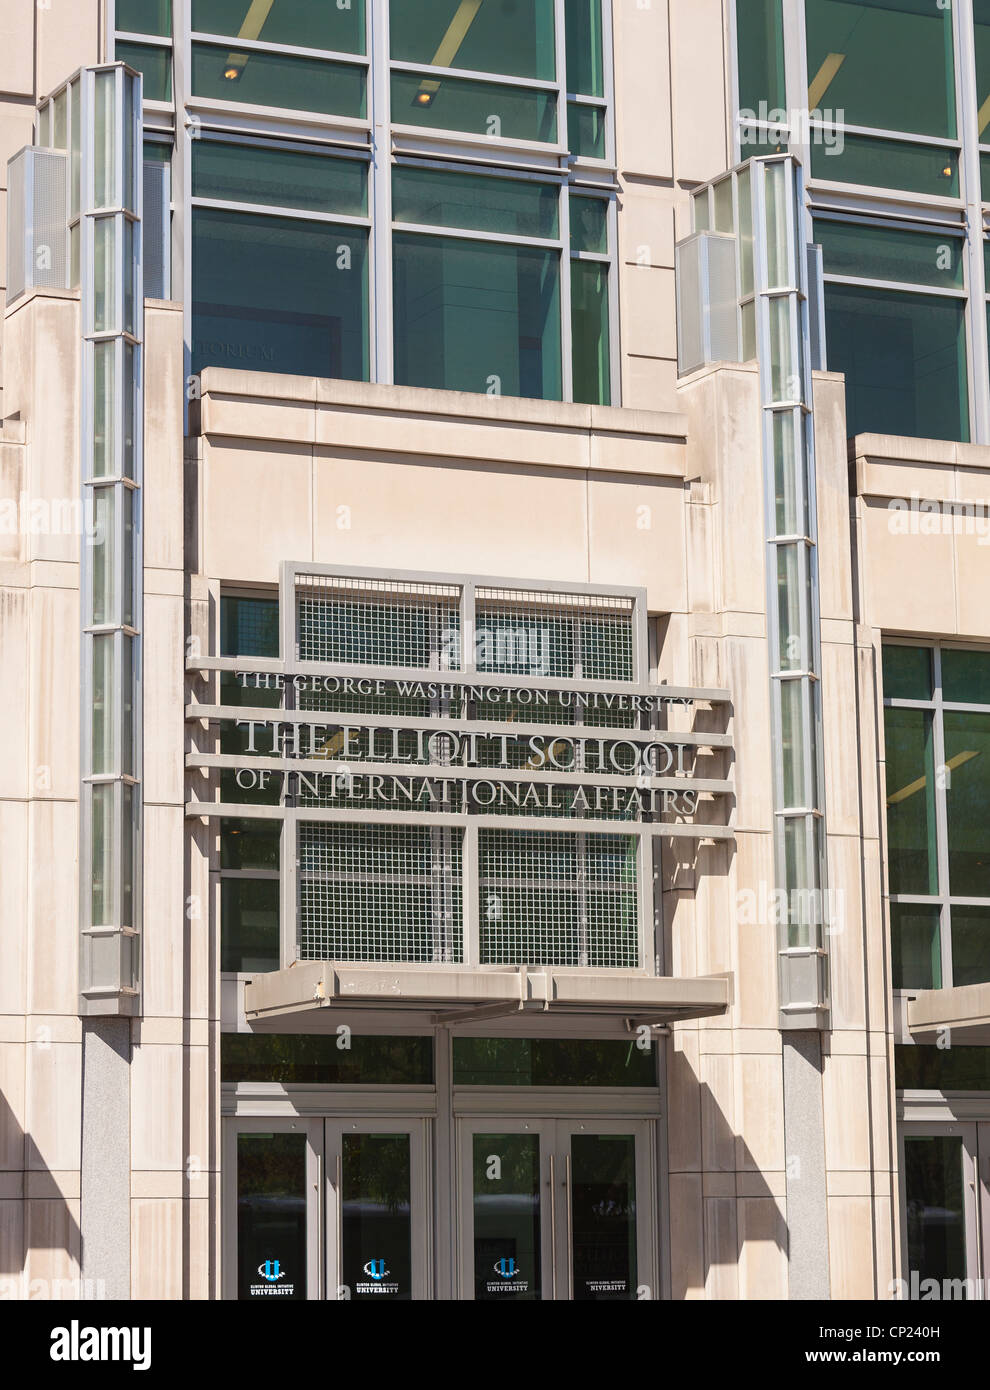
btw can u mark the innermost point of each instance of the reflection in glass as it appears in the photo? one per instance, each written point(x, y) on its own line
point(912, 861)
point(585, 50)
point(339, 28)
point(376, 1216)
point(506, 1205)
point(279, 79)
point(760, 51)
point(907, 672)
point(967, 796)
point(491, 109)
point(916, 952)
point(155, 63)
point(475, 36)
point(477, 316)
point(279, 178)
point(271, 1216)
point(279, 295)
point(477, 202)
point(879, 163)
point(885, 66)
point(965, 676)
point(249, 924)
point(586, 130)
point(603, 1217)
point(904, 359)
point(970, 945)
point(936, 1218)
point(589, 332)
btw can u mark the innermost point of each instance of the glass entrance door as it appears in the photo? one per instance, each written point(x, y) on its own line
point(377, 1203)
point(556, 1209)
point(272, 1209)
point(945, 1184)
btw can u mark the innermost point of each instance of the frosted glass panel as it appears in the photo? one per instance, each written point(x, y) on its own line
point(104, 145)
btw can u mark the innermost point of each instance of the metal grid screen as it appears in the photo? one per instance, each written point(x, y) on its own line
point(375, 622)
point(523, 632)
point(379, 892)
point(558, 899)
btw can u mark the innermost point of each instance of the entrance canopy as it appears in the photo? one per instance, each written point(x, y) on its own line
point(964, 1011)
point(449, 994)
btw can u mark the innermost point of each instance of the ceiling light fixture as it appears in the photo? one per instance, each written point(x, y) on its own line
point(457, 29)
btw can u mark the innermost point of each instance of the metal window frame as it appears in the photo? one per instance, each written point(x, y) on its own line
point(867, 200)
point(384, 143)
point(938, 707)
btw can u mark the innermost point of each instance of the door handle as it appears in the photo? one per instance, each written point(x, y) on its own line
point(338, 1227)
point(553, 1232)
point(569, 1227)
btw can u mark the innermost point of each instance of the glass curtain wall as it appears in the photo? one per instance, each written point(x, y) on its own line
point(889, 101)
point(477, 257)
point(937, 732)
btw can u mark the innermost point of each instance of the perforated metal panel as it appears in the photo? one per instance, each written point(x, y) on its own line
point(37, 231)
point(707, 301)
point(156, 222)
point(573, 636)
point(372, 622)
point(380, 892)
point(557, 899)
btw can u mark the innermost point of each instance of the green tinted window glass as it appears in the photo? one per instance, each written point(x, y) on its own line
point(887, 253)
point(279, 79)
point(887, 65)
point(967, 797)
point(432, 197)
point(249, 931)
point(250, 844)
point(907, 673)
point(585, 50)
point(248, 626)
point(589, 330)
point(477, 108)
point(479, 37)
point(589, 225)
point(506, 1189)
point(934, 1205)
point(965, 677)
point(586, 130)
point(376, 1215)
point(280, 178)
point(970, 945)
point(299, 23)
point(755, 140)
point(879, 163)
point(981, 29)
point(144, 17)
point(551, 1062)
point(279, 295)
point(477, 316)
point(155, 63)
point(760, 49)
point(912, 861)
point(271, 1215)
point(915, 949)
point(904, 359)
point(157, 151)
point(942, 1068)
point(316, 1059)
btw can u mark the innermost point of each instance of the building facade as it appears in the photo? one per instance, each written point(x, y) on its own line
point(496, 508)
